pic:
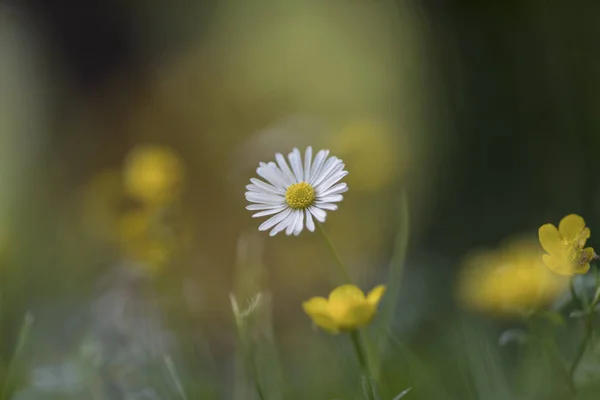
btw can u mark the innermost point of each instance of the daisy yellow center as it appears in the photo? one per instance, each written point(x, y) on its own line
point(300, 195)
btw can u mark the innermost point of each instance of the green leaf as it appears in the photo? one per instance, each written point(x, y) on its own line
point(554, 317)
point(396, 271)
point(577, 314)
point(402, 394)
point(518, 336)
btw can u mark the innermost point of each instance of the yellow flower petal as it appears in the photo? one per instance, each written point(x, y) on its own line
point(347, 293)
point(317, 309)
point(582, 269)
point(356, 316)
point(316, 305)
point(588, 255)
point(584, 235)
point(571, 226)
point(375, 295)
point(550, 239)
point(559, 265)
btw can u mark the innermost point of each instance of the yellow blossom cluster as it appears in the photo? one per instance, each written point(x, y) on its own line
point(152, 178)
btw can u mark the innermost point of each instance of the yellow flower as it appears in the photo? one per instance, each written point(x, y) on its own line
point(347, 308)
point(509, 280)
point(141, 238)
point(153, 174)
point(565, 246)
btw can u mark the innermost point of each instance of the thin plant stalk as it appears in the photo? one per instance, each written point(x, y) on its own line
point(574, 295)
point(174, 376)
point(364, 366)
point(588, 324)
point(334, 253)
point(22, 340)
point(247, 351)
point(551, 350)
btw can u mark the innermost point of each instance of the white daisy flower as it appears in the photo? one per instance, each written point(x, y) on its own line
point(294, 196)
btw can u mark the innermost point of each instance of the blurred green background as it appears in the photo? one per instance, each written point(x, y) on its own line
point(484, 113)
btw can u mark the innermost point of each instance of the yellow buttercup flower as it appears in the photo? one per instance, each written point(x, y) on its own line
point(153, 174)
point(565, 246)
point(509, 280)
point(346, 309)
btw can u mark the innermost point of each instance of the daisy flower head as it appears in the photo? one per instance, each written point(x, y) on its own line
point(294, 196)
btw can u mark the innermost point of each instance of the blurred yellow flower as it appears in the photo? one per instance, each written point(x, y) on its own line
point(347, 308)
point(141, 239)
point(509, 280)
point(565, 246)
point(153, 174)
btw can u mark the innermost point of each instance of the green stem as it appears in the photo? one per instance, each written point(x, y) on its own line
point(588, 328)
point(362, 360)
point(574, 296)
point(261, 394)
point(248, 356)
point(335, 253)
point(251, 369)
point(23, 336)
point(552, 352)
point(582, 347)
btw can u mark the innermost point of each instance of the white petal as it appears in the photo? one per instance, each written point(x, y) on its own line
point(333, 178)
point(270, 212)
point(276, 219)
point(336, 189)
point(288, 176)
point(295, 216)
point(255, 207)
point(254, 188)
point(316, 167)
point(278, 173)
point(327, 206)
point(267, 187)
point(325, 170)
point(310, 225)
point(273, 175)
point(319, 214)
point(307, 162)
point(265, 198)
point(299, 223)
point(330, 166)
point(282, 225)
point(332, 198)
point(296, 161)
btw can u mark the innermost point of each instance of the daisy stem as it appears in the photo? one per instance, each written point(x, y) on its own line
point(334, 252)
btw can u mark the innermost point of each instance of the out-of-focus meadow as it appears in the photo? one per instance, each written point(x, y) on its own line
point(130, 268)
